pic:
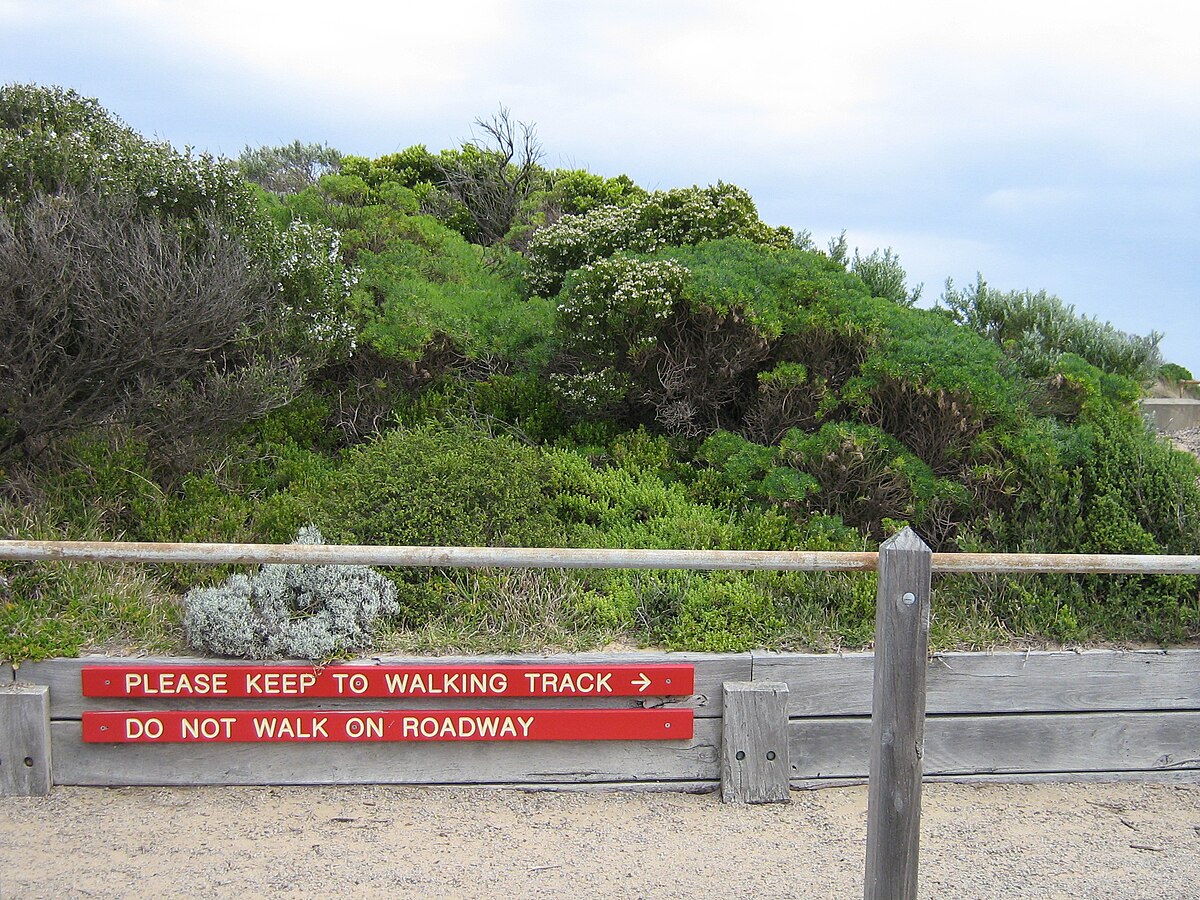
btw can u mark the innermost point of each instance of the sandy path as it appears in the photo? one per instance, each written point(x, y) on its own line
point(1026, 841)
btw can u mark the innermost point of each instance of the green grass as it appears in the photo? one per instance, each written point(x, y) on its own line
point(62, 609)
point(505, 611)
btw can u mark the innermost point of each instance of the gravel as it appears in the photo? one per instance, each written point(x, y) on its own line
point(1188, 440)
point(1031, 841)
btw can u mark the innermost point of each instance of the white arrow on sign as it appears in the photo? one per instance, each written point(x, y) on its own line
point(644, 680)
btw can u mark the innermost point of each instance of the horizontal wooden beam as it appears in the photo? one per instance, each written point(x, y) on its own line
point(1155, 776)
point(1035, 743)
point(821, 684)
point(712, 670)
point(551, 763)
point(436, 557)
point(1022, 747)
point(1000, 682)
point(581, 558)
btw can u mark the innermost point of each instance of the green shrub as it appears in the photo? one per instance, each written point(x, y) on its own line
point(576, 191)
point(288, 168)
point(421, 285)
point(1106, 484)
point(1173, 373)
point(524, 401)
point(711, 342)
point(867, 477)
point(719, 614)
point(410, 295)
point(884, 277)
point(680, 334)
point(432, 486)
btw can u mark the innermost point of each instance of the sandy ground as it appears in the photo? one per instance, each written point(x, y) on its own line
point(1096, 841)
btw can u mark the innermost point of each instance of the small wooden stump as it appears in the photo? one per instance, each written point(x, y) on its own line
point(24, 740)
point(755, 766)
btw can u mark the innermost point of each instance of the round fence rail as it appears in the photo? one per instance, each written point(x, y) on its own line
point(582, 558)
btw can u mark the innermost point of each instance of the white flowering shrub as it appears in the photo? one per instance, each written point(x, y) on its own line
point(315, 285)
point(674, 218)
point(290, 611)
point(52, 139)
point(677, 335)
point(614, 310)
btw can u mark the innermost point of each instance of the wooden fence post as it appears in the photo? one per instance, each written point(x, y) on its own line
point(755, 765)
point(898, 718)
point(24, 740)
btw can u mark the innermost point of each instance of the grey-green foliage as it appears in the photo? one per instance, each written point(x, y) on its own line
point(883, 275)
point(880, 270)
point(289, 168)
point(290, 611)
point(1036, 330)
point(838, 249)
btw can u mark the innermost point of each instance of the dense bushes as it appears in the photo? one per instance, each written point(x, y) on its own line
point(774, 344)
point(429, 486)
point(288, 168)
point(682, 333)
point(108, 315)
point(135, 279)
point(617, 368)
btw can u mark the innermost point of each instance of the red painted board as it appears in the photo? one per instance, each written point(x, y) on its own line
point(242, 726)
point(241, 682)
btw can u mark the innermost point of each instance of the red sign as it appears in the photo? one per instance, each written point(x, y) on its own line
point(175, 726)
point(241, 682)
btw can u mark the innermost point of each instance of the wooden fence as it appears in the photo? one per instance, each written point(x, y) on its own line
point(896, 716)
point(1041, 715)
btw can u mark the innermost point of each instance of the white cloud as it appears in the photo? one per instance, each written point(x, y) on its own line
point(359, 54)
point(873, 85)
point(886, 81)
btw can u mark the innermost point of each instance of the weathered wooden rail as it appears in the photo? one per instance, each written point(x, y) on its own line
point(575, 558)
point(802, 719)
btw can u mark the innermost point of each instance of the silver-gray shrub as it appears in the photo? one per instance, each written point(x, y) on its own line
point(290, 611)
point(1036, 330)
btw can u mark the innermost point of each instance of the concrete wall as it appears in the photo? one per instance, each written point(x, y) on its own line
point(1170, 414)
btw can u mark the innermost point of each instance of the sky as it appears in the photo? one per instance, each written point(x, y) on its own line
point(1045, 145)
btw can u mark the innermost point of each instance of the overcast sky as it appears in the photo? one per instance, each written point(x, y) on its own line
point(1049, 145)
